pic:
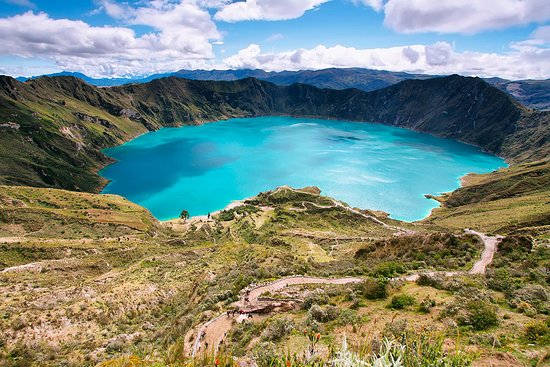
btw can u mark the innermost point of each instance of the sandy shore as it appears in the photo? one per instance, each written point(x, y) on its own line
point(203, 218)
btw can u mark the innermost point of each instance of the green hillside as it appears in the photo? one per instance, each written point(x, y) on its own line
point(511, 200)
point(138, 294)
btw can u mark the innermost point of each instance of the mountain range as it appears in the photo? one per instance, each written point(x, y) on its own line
point(531, 93)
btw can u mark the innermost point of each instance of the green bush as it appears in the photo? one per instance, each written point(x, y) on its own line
point(320, 314)
point(534, 294)
point(265, 354)
point(241, 335)
point(400, 301)
point(317, 297)
point(480, 315)
point(499, 280)
point(538, 332)
point(430, 281)
point(349, 317)
point(277, 329)
point(426, 305)
point(389, 269)
point(473, 310)
point(374, 288)
point(226, 215)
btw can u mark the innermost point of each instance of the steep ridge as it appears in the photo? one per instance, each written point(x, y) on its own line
point(534, 94)
point(54, 128)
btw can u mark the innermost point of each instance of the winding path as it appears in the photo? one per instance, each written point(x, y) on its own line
point(211, 334)
point(488, 253)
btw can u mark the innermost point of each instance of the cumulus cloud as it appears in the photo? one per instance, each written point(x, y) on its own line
point(411, 54)
point(462, 16)
point(180, 38)
point(458, 16)
point(439, 53)
point(265, 9)
point(438, 58)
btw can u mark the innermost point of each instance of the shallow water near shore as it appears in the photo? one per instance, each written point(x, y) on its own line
point(371, 166)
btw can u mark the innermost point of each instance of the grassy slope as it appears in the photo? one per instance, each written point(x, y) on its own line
point(45, 143)
point(51, 213)
point(505, 201)
point(81, 302)
point(134, 287)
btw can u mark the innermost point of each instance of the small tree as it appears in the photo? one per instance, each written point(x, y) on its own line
point(184, 215)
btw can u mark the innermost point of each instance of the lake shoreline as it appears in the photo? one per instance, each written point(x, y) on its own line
point(313, 117)
point(186, 178)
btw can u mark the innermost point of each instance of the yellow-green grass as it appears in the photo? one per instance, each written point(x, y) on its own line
point(507, 200)
point(52, 213)
point(498, 216)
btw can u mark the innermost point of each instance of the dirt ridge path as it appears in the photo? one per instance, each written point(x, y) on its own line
point(212, 333)
point(491, 244)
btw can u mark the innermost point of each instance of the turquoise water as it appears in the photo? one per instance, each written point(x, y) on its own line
point(204, 168)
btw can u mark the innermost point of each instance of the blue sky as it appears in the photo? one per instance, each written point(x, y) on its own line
point(112, 38)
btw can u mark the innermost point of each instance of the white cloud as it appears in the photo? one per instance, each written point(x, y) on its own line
point(439, 58)
point(462, 16)
point(180, 38)
point(542, 33)
point(440, 53)
point(213, 4)
point(411, 54)
point(265, 10)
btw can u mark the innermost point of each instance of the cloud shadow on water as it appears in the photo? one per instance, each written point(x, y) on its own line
point(140, 173)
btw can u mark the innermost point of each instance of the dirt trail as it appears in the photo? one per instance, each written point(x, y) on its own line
point(488, 253)
point(212, 333)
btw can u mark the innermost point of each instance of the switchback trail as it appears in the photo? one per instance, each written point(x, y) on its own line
point(212, 333)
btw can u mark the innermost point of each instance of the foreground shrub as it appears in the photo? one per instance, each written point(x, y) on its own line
point(409, 350)
point(320, 314)
point(317, 297)
point(479, 314)
point(277, 329)
point(426, 305)
point(374, 288)
point(533, 294)
point(401, 301)
point(389, 269)
point(413, 350)
point(349, 317)
point(538, 332)
point(499, 280)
